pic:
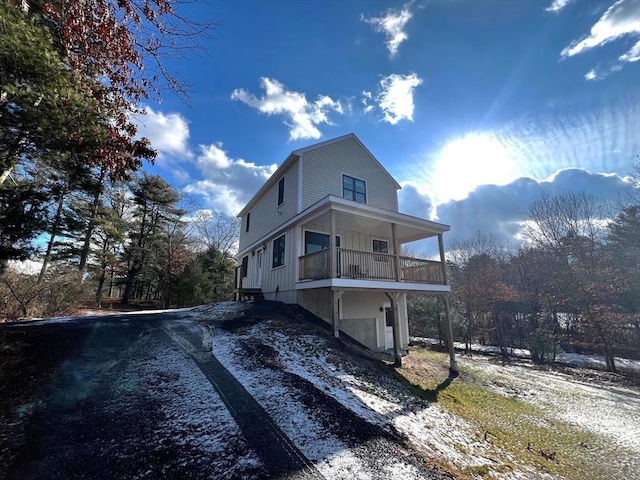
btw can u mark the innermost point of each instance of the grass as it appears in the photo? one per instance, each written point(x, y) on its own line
point(529, 434)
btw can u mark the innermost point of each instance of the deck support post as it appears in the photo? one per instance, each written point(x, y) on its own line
point(333, 253)
point(397, 355)
point(396, 252)
point(335, 311)
point(453, 365)
point(443, 262)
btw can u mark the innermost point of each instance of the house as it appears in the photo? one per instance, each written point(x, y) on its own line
point(325, 232)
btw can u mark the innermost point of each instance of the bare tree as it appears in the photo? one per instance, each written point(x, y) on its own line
point(218, 230)
point(571, 227)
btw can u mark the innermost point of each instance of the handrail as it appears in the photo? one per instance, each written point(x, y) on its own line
point(357, 264)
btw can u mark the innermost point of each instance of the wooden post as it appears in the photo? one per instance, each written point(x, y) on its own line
point(397, 355)
point(396, 251)
point(333, 254)
point(453, 365)
point(443, 262)
point(335, 311)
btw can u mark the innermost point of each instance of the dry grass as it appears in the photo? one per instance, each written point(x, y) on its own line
point(530, 434)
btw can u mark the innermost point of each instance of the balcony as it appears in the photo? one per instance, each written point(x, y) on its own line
point(359, 265)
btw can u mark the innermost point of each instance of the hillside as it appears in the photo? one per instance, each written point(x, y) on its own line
point(513, 421)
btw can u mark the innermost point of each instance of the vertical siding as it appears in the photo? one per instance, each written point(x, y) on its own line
point(324, 167)
point(266, 214)
point(353, 240)
point(282, 278)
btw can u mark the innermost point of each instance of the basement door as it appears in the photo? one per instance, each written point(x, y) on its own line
point(388, 329)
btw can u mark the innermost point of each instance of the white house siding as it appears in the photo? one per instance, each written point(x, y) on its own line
point(361, 329)
point(317, 301)
point(323, 168)
point(353, 240)
point(266, 215)
point(360, 314)
point(366, 305)
point(281, 278)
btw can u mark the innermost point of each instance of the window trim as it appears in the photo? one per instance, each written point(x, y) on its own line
point(354, 179)
point(380, 240)
point(304, 238)
point(273, 251)
point(383, 255)
point(246, 228)
point(244, 266)
point(281, 191)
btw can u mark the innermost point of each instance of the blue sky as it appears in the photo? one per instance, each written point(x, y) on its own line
point(476, 107)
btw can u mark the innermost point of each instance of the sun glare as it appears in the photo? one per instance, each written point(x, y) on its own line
point(467, 162)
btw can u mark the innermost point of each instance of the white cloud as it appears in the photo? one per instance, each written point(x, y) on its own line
point(395, 97)
point(592, 75)
point(169, 133)
point(622, 18)
point(392, 24)
point(633, 55)
point(303, 117)
point(227, 184)
point(367, 97)
point(557, 5)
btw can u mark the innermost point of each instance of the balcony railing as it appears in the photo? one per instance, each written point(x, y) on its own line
point(357, 264)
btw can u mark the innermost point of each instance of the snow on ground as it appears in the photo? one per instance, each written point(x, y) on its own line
point(577, 359)
point(194, 414)
point(608, 411)
point(378, 399)
point(332, 457)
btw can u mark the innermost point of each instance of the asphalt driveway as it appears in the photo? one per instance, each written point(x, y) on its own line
point(142, 396)
point(113, 397)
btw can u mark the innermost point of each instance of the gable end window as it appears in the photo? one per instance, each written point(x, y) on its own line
point(278, 252)
point(248, 221)
point(354, 189)
point(281, 191)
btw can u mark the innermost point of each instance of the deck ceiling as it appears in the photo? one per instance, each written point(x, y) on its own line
point(408, 230)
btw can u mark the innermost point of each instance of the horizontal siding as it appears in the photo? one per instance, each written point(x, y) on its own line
point(266, 215)
point(323, 168)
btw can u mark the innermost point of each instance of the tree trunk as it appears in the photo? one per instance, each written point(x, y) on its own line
point(54, 232)
point(84, 253)
point(128, 286)
point(101, 281)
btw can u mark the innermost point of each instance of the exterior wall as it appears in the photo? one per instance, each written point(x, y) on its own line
point(317, 301)
point(323, 168)
point(361, 329)
point(282, 278)
point(360, 315)
point(365, 305)
point(354, 240)
point(266, 215)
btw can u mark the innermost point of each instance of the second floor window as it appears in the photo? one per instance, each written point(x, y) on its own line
point(278, 252)
point(281, 191)
point(248, 221)
point(354, 189)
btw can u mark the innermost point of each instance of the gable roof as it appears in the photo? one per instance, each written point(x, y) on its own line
point(296, 154)
point(303, 150)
